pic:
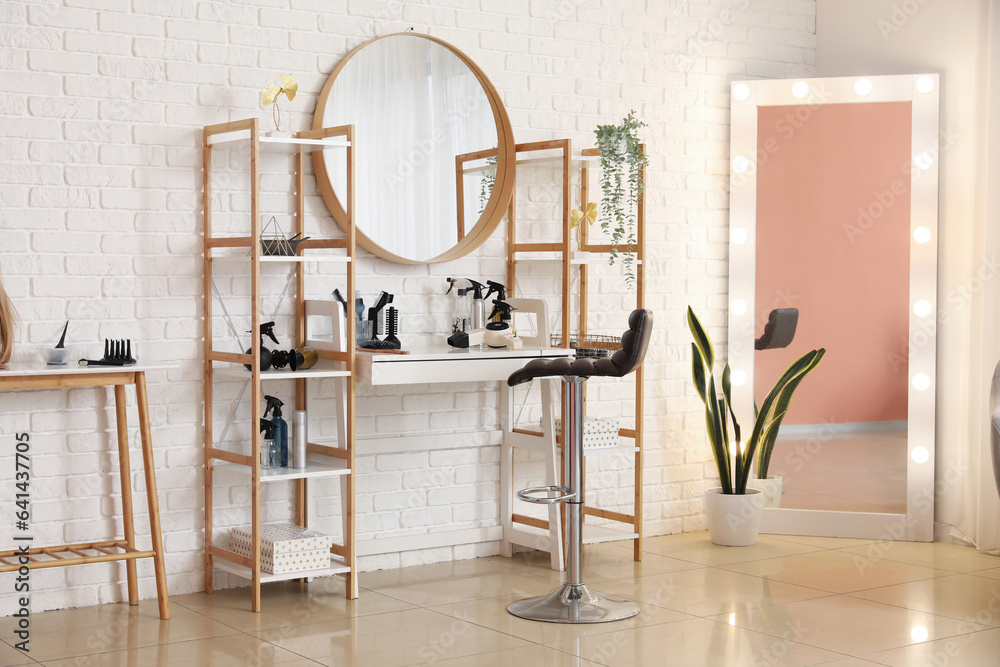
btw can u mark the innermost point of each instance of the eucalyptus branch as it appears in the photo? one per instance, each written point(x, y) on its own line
point(622, 164)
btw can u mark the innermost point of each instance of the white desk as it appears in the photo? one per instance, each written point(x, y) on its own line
point(431, 360)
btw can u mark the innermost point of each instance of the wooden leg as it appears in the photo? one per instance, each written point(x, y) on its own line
point(152, 502)
point(125, 470)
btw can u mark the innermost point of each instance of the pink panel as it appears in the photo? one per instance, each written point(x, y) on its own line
point(833, 220)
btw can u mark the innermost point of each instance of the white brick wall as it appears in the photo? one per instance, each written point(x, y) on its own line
point(101, 109)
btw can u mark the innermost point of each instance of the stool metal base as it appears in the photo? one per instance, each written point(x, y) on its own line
point(574, 603)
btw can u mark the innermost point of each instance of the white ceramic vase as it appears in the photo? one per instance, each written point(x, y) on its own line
point(771, 488)
point(733, 519)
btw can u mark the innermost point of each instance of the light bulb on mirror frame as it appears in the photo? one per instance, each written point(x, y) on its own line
point(922, 235)
point(925, 84)
point(921, 382)
point(922, 308)
point(800, 89)
point(739, 377)
point(740, 164)
point(923, 161)
point(741, 91)
point(738, 307)
point(920, 455)
point(863, 87)
point(739, 235)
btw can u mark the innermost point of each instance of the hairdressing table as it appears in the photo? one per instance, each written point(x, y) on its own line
point(21, 376)
point(428, 360)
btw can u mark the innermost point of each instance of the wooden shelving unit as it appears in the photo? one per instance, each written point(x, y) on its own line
point(324, 460)
point(580, 259)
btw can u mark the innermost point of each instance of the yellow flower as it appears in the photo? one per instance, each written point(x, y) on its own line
point(269, 95)
point(289, 86)
point(576, 216)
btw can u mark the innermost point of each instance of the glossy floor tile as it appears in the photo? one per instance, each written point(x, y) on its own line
point(849, 625)
point(10, 656)
point(960, 596)
point(693, 642)
point(974, 649)
point(836, 571)
point(287, 602)
point(91, 630)
point(228, 651)
point(409, 637)
point(709, 591)
point(785, 601)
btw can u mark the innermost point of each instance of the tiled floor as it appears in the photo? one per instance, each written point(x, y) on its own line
point(784, 601)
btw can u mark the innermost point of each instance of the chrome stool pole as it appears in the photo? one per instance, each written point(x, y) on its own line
point(573, 602)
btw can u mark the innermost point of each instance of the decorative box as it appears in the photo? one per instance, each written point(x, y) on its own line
point(292, 561)
point(597, 433)
point(284, 547)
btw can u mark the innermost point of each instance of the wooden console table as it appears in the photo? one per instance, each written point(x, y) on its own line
point(24, 376)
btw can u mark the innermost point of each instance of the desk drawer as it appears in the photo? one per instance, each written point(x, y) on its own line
point(438, 370)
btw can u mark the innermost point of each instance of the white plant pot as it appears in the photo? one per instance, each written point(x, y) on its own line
point(771, 488)
point(733, 519)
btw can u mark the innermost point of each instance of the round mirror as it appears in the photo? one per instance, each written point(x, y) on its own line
point(434, 149)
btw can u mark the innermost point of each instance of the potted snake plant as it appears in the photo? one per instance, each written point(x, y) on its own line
point(623, 163)
point(733, 510)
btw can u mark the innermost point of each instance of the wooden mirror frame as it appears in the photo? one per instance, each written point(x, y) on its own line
point(503, 187)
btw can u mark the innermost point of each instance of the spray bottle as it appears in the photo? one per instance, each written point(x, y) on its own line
point(460, 314)
point(478, 305)
point(280, 428)
point(266, 329)
point(270, 456)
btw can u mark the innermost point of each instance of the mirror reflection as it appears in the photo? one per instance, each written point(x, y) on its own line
point(833, 241)
point(426, 136)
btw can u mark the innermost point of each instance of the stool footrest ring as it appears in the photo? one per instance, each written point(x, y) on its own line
point(566, 494)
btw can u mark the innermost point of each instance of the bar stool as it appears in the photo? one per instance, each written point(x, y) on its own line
point(573, 601)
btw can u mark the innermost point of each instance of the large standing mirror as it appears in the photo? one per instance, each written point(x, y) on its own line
point(833, 212)
point(434, 158)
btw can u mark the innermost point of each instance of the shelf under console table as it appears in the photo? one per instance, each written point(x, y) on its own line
point(26, 376)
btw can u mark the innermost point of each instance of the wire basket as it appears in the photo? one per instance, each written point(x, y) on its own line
point(592, 345)
point(273, 241)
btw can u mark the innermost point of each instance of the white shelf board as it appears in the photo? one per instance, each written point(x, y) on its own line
point(265, 577)
point(323, 369)
point(283, 259)
point(593, 534)
point(289, 145)
point(576, 160)
point(576, 258)
point(313, 470)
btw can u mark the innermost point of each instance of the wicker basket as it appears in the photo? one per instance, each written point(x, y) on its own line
point(592, 345)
